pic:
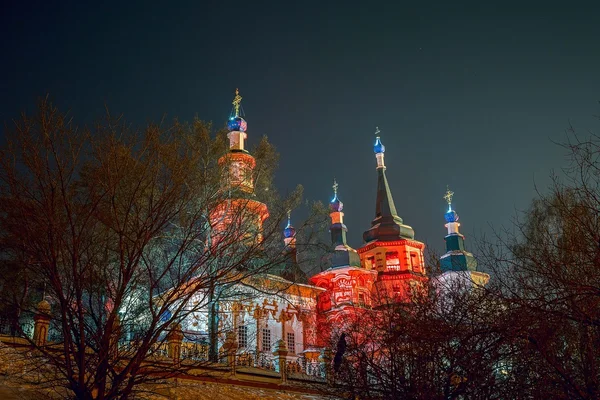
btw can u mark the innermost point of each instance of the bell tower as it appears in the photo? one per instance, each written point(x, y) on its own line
point(347, 284)
point(458, 266)
point(240, 216)
point(390, 248)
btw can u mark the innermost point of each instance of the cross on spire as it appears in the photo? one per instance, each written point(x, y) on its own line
point(448, 197)
point(335, 187)
point(377, 131)
point(237, 100)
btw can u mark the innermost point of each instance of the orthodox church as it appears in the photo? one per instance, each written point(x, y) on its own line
point(386, 269)
point(270, 340)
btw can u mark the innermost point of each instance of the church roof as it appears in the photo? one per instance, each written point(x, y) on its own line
point(386, 225)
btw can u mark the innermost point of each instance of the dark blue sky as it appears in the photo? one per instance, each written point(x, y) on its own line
point(470, 96)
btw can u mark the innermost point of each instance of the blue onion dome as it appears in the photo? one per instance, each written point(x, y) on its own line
point(379, 147)
point(336, 205)
point(289, 230)
point(237, 124)
point(451, 216)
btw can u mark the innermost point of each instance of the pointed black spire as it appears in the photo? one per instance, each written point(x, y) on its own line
point(386, 225)
point(343, 255)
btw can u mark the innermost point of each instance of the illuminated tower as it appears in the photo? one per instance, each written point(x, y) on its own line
point(457, 263)
point(390, 248)
point(240, 217)
point(241, 163)
point(347, 283)
point(343, 255)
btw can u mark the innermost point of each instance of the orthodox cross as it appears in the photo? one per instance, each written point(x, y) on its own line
point(335, 186)
point(237, 100)
point(448, 197)
point(377, 131)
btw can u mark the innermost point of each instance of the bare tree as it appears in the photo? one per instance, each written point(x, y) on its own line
point(549, 270)
point(125, 233)
point(433, 347)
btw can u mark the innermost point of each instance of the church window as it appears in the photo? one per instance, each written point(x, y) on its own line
point(370, 262)
point(266, 339)
point(361, 299)
point(414, 262)
point(242, 336)
point(291, 342)
point(392, 261)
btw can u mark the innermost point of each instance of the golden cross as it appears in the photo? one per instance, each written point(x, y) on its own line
point(236, 102)
point(448, 196)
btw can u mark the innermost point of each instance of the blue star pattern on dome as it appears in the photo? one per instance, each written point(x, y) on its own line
point(237, 124)
point(289, 230)
point(335, 205)
point(378, 147)
point(451, 216)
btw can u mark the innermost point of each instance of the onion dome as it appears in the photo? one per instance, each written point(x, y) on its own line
point(237, 124)
point(289, 230)
point(378, 147)
point(335, 205)
point(451, 216)
point(43, 307)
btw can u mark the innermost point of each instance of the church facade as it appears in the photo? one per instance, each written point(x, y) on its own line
point(305, 314)
point(274, 337)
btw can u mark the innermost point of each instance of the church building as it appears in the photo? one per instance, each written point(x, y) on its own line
point(387, 269)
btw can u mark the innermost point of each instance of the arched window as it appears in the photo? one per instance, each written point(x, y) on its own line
point(415, 263)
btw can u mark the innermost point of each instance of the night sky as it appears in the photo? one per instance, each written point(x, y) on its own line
point(469, 96)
